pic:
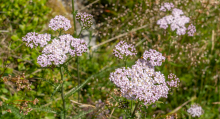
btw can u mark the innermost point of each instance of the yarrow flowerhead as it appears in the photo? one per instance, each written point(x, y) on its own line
point(85, 18)
point(173, 83)
point(177, 12)
point(35, 39)
point(192, 30)
point(138, 83)
point(154, 57)
point(176, 21)
point(60, 22)
point(123, 49)
point(57, 50)
point(142, 81)
point(166, 6)
point(80, 46)
point(195, 110)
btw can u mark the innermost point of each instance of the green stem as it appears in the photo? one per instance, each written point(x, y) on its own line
point(135, 109)
point(68, 60)
point(80, 33)
point(90, 38)
point(62, 93)
point(78, 76)
point(74, 17)
point(125, 64)
point(131, 105)
point(60, 31)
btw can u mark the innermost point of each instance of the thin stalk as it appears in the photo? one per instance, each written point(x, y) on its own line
point(80, 33)
point(125, 64)
point(74, 17)
point(62, 93)
point(68, 60)
point(2, 109)
point(78, 76)
point(90, 38)
point(218, 81)
point(131, 105)
point(135, 109)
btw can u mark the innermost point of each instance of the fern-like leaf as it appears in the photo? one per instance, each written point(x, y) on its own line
point(14, 110)
point(81, 114)
point(56, 89)
point(45, 109)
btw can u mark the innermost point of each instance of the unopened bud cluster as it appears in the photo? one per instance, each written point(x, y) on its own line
point(85, 19)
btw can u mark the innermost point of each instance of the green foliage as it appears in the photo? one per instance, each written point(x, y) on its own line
point(81, 114)
point(45, 109)
point(14, 111)
point(23, 16)
point(199, 79)
point(17, 18)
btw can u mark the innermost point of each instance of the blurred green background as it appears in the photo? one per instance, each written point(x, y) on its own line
point(195, 60)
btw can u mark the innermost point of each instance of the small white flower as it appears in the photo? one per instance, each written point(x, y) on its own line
point(195, 110)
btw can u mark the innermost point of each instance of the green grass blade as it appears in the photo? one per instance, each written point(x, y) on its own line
point(73, 90)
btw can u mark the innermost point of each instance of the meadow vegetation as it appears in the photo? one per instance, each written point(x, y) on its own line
point(147, 61)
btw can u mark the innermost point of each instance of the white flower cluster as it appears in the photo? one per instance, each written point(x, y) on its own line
point(56, 51)
point(35, 39)
point(176, 21)
point(60, 22)
point(123, 49)
point(195, 110)
point(142, 81)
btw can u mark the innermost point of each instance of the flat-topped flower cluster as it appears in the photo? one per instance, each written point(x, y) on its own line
point(195, 110)
point(122, 49)
point(142, 81)
point(59, 22)
point(56, 52)
point(176, 20)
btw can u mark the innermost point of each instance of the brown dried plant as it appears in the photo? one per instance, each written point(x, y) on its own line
point(21, 84)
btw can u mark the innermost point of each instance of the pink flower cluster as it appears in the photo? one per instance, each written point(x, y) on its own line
point(166, 6)
point(154, 57)
point(57, 50)
point(176, 21)
point(142, 81)
point(191, 30)
point(195, 110)
point(35, 39)
point(123, 49)
point(85, 18)
point(60, 22)
point(173, 83)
